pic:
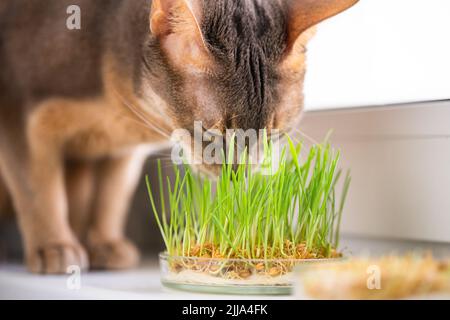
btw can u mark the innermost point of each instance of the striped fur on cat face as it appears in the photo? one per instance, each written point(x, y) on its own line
point(233, 64)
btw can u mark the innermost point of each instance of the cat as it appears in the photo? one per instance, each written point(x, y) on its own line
point(80, 109)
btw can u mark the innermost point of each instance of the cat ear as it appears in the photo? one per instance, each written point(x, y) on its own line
point(177, 24)
point(304, 14)
point(170, 16)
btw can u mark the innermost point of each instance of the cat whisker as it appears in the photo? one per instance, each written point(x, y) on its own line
point(303, 134)
point(142, 117)
point(141, 123)
point(235, 116)
point(144, 122)
point(278, 135)
point(156, 105)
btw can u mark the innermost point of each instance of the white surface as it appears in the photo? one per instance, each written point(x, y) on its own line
point(141, 284)
point(16, 283)
point(381, 51)
point(399, 158)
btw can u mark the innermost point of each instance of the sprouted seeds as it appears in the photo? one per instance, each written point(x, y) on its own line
point(266, 221)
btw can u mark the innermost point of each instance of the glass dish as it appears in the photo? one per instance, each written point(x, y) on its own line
point(230, 276)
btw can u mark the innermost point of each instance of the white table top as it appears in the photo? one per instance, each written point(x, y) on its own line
point(144, 283)
point(140, 284)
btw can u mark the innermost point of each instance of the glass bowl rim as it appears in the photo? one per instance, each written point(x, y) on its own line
point(165, 256)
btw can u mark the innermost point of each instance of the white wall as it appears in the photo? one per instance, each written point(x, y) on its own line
point(399, 158)
point(381, 51)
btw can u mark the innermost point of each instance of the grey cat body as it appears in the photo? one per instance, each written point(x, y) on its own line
point(41, 58)
point(78, 108)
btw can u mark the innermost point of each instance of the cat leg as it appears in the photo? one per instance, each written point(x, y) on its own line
point(117, 180)
point(38, 193)
point(80, 182)
point(31, 162)
point(4, 199)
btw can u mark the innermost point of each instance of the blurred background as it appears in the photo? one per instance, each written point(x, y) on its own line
point(379, 75)
point(381, 52)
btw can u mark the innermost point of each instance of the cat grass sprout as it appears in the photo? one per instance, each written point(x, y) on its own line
point(247, 216)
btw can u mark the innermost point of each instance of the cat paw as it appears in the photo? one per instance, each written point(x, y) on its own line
point(113, 255)
point(56, 258)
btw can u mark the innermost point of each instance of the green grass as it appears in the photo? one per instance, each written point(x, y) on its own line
point(291, 214)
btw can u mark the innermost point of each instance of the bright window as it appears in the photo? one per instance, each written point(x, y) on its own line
point(381, 52)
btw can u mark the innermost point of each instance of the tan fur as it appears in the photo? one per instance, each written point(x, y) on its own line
point(92, 128)
point(295, 60)
point(4, 201)
point(80, 188)
point(292, 67)
point(72, 168)
point(177, 24)
point(76, 149)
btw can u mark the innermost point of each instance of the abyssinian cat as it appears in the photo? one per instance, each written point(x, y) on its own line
point(79, 108)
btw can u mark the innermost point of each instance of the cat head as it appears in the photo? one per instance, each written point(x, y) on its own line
point(232, 64)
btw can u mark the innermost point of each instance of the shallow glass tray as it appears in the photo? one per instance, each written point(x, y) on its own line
point(231, 276)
